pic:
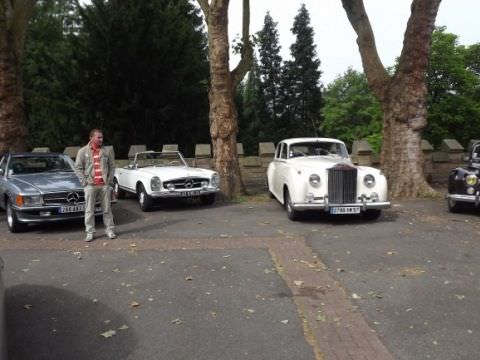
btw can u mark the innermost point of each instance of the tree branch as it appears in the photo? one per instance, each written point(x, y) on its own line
point(374, 70)
point(247, 51)
point(205, 8)
point(418, 37)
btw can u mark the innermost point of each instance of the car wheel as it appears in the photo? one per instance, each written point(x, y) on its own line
point(291, 212)
point(207, 199)
point(372, 214)
point(454, 206)
point(14, 225)
point(119, 193)
point(144, 200)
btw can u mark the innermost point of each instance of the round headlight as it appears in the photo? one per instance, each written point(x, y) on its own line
point(215, 180)
point(155, 183)
point(471, 179)
point(314, 180)
point(369, 180)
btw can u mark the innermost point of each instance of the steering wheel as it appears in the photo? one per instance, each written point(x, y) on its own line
point(297, 153)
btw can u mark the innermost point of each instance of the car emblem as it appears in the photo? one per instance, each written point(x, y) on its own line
point(73, 197)
point(189, 184)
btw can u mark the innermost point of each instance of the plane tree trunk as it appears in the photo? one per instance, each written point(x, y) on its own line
point(402, 96)
point(14, 16)
point(223, 82)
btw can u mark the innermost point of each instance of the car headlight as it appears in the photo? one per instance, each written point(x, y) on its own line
point(369, 180)
point(471, 179)
point(314, 180)
point(32, 200)
point(155, 183)
point(215, 180)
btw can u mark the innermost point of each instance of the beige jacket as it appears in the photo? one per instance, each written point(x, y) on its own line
point(84, 165)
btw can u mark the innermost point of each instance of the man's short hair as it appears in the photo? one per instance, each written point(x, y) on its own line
point(93, 131)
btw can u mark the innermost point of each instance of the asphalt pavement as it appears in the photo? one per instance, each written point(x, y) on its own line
point(241, 281)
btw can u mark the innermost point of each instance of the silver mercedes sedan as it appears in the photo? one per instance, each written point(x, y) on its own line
point(39, 187)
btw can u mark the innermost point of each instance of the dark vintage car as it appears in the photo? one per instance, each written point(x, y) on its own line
point(39, 187)
point(3, 346)
point(464, 183)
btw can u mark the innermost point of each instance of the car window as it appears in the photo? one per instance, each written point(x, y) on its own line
point(476, 152)
point(283, 154)
point(3, 164)
point(20, 165)
point(152, 158)
point(317, 148)
point(277, 151)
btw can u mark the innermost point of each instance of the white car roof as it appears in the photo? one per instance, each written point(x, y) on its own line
point(310, 139)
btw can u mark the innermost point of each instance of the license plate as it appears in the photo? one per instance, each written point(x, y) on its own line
point(190, 193)
point(345, 210)
point(71, 209)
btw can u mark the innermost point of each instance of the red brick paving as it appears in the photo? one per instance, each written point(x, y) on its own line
point(332, 326)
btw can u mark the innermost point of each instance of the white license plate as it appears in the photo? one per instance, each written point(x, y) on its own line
point(345, 210)
point(71, 209)
point(190, 193)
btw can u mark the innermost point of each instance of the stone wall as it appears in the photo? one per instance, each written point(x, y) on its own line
point(437, 163)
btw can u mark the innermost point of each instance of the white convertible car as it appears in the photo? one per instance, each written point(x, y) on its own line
point(153, 175)
point(317, 174)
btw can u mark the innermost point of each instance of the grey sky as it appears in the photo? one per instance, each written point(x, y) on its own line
point(334, 36)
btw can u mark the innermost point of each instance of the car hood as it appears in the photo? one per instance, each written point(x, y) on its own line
point(46, 182)
point(325, 162)
point(166, 173)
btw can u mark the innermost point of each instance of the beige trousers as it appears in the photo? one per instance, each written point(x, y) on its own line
point(94, 193)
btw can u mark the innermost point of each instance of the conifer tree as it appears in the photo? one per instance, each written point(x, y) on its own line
point(302, 76)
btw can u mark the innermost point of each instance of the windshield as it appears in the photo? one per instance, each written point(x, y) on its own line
point(33, 164)
point(159, 159)
point(317, 148)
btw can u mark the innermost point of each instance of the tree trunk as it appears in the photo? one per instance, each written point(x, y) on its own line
point(223, 113)
point(402, 96)
point(14, 16)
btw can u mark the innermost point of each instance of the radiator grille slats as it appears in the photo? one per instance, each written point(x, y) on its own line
point(63, 197)
point(186, 183)
point(342, 184)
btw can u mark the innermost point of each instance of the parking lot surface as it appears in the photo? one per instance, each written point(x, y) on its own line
point(234, 281)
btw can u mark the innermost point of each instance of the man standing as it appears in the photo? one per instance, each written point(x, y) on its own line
point(95, 166)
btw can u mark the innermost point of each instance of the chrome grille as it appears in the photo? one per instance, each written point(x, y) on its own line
point(64, 197)
point(186, 183)
point(342, 184)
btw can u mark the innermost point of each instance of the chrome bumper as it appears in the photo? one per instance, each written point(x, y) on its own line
point(326, 206)
point(183, 194)
point(475, 199)
point(32, 215)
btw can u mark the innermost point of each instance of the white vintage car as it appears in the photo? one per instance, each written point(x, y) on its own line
point(154, 175)
point(317, 174)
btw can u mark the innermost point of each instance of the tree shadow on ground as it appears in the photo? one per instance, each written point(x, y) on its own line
point(47, 323)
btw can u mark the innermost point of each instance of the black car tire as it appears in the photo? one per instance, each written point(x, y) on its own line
point(292, 214)
point(207, 199)
point(119, 193)
point(456, 206)
point(371, 214)
point(144, 200)
point(14, 225)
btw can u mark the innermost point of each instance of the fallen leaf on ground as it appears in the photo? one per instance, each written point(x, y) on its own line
point(134, 304)
point(28, 306)
point(177, 321)
point(108, 334)
point(123, 327)
point(298, 283)
point(188, 278)
point(284, 321)
point(356, 296)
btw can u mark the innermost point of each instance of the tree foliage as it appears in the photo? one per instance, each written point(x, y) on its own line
point(137, 69)
point(453, 82)
point(351, 110)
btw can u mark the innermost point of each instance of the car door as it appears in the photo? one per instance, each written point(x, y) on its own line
point(278, 166)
